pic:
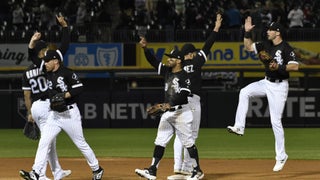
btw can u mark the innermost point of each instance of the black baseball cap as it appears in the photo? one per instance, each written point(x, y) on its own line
point(188, 48)
point(274, 26)
point(175, 54)
point(53, 54)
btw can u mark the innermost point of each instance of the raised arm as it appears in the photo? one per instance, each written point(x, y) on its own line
point(65, 39)
point(149, 56)
point(211, 39)
point(247, 41)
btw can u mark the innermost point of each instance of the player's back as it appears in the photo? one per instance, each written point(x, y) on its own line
point(34, 80)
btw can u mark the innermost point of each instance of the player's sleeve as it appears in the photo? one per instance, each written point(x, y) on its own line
point(65, 40)
point(209, 42)
point(257, 47)
point(200, 59)
point(25, 84)
point(291, 56)
point(76, 86)
point(154, 62)
point(32, 56)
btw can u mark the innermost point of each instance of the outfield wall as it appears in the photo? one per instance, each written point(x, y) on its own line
point(122, 109)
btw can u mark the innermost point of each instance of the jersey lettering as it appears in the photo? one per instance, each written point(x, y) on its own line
point(189, 68)
point(61, 84)
point(33, 73)
point(175, 85)
point(278, 57)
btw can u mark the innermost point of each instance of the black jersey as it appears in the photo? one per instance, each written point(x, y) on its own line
point(34, 80)
point(64, 80)
point(176, 86)
point(193, 68)
point(283, 53)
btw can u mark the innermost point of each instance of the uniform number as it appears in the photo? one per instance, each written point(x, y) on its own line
point(38, 85)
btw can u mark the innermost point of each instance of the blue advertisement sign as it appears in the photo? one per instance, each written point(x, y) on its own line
point(94, 55)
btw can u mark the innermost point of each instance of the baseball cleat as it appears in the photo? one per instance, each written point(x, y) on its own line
point(63, 173)
point(148, 173)
point(196, 175)
point(29, 175)
point(97, 175)
point(66, 173)
point(24, 174)
point(236, 130)
point(280, 164)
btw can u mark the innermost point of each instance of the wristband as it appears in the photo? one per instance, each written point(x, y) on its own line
point(247, 34)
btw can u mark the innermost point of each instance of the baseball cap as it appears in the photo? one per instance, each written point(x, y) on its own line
point(175, 54)
point(53, 54)
point(40, 45)
point(274, 26)
point(188, 48)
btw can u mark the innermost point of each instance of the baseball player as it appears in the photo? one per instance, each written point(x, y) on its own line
point(63, 80)
point(274, 86)
point(34, 86)
point(194, 60)
point(178, 119)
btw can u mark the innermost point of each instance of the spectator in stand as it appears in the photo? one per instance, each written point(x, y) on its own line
point(296, 17)
point(266, 19)
point(166, 16)
point(81, 14)
point(47, 19)
point(126, 20)
point(279, 13)
point(142, 16)
point(256, 20)
point(234, 21)
point(244, 8)
point(17, 17)
point(70, 10)
point(151, 7)
point(180, 11)
point(233, 16)
point(308, 16)
point(4, 11)
point(194, 18)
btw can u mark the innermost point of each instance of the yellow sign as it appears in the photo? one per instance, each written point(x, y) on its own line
point(231, 54)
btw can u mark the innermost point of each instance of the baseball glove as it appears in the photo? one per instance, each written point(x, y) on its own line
point(58, 103)
point(31, 131)
point(158, 109)
point(265, 57)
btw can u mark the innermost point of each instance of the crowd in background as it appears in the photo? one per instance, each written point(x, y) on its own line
point(157, 14)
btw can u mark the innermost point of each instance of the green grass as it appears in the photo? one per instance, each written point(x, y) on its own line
point(257, 143)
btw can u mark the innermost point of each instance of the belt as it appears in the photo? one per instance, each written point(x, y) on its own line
point(44, 98)
point(174, 108)
point(274, 80)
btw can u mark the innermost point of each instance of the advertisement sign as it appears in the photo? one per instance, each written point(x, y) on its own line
point(94, 55)
point(301, 110)
point(122, 109)
point(222, 53)
point(12, 55)
point(233, 54)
